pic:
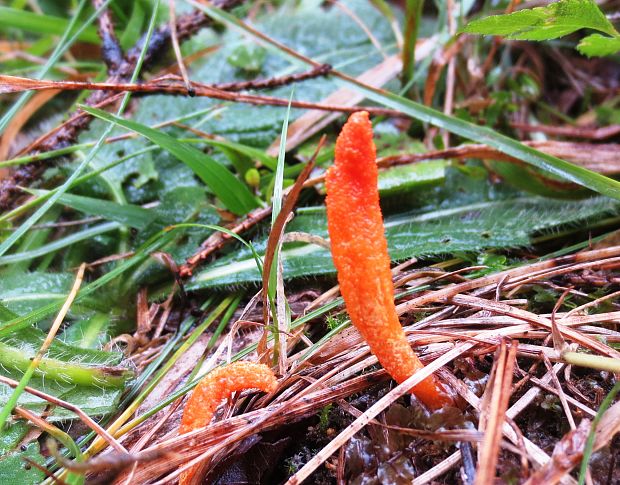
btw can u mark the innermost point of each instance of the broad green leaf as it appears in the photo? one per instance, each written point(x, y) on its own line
point(401, 180)
point(599, 45)
point(128, 214)
point(14, 469)
point(21, 293)
point(41, 24)
point(230, 190)
point(542, 23)
point(91, 379)
point(466, 227)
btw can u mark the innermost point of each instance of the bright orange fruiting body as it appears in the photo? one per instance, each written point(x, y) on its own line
point(216, 386)
point(360, 254)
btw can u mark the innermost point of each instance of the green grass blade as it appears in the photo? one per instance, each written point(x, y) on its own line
point(64, 242)
point(229, 189)
point(42, 24)
point(278, 188)
point(127, 214)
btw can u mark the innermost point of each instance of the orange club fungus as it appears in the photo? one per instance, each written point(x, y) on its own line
point(216, 386)
point(360, 254)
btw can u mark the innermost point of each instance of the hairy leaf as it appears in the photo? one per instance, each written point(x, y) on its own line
point(91, 379)
point(15, 469)
point(469, 227)
point(23, 292)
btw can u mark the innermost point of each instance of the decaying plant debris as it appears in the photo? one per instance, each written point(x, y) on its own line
point(510, 299)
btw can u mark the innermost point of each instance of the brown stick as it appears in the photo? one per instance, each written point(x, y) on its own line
point(317, 71)
point(111, 51)
point(172, 84)
point(496, 404)
point(571, 131)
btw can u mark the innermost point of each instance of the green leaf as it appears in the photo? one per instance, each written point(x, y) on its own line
point(401, 180)
point(41, 24)
point(543, 23)
point(62, 362)
point(465, 227)
point(23, 292)
point(599, 45)
point(128, 214)
point(14, 469)
point(84, 377)
point(229, 189)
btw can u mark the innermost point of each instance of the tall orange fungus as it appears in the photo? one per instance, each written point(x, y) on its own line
point(360, 254)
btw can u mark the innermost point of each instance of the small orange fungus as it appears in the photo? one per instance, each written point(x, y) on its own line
point(216, 386)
